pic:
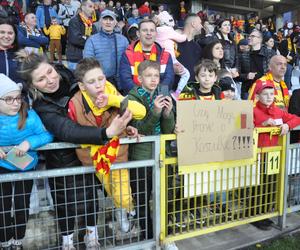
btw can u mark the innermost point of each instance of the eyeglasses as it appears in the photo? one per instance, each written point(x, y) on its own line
point(252, 36)
point(10, 100)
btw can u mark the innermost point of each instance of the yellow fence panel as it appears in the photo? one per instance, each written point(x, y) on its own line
point(208, 197)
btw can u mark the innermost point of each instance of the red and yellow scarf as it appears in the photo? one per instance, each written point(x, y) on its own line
point(88, 23)
point(102, 155)
point(139, 56)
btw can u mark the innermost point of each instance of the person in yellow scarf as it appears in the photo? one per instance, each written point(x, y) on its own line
point(97, 104)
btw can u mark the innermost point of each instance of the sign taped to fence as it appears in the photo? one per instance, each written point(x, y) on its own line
point(214, 131)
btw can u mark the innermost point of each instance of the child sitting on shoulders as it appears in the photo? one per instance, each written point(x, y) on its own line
point(167, 38)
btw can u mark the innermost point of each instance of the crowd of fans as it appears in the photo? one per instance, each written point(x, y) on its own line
point(100, 52)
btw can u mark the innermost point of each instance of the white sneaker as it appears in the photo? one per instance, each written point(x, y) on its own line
point(91, 242)
point(122, 219)
point(17, 244)
point(68, 247)
point(5, 245)
point(170, 246)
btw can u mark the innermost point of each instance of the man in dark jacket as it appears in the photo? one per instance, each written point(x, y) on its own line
point(190, 51)
point(254, 63)
point(80, 28)
point(145, 49)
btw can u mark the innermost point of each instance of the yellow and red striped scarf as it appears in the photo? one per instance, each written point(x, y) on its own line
point(140, 56)
point(102, 155)
point(268, 77)
point(88, 24)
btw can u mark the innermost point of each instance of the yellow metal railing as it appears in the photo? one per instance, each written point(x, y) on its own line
point(219, 195)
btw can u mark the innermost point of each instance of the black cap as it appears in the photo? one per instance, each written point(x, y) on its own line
point(226, 83)
point(244, 42)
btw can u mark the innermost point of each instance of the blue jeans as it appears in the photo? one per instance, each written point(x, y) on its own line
point(72, 65)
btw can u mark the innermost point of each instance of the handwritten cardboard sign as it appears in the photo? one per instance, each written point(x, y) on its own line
point(214, 131)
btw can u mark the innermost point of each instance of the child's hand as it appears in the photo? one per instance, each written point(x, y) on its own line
point(158, 104)
point(2, 154)
point(101, 100)
point(132, 132)
point(284, 129)
point(118, 124)
point(234, 72)
point(22, 148)
point(270, 122)
point(251, 75)
point(178, 130)
point(168, 106)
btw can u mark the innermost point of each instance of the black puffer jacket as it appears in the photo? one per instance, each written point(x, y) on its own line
point(76, 39)
point(230, 52)
point(244, 62)
point(53, 110)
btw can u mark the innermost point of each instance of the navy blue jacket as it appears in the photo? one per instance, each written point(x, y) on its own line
point(9, 65)
point(30, 40)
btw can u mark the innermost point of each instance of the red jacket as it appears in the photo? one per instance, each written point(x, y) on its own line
point(143, 9)
point(262, 113)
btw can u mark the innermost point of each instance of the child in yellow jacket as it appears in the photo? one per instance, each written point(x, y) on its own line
point(55, 31)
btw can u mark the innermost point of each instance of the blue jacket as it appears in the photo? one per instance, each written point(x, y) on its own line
point(40, 15)
point(30, 40)
point(102, 46)
point(34, 132)
point(126, 72)
point(132, 20)
point(9, 65)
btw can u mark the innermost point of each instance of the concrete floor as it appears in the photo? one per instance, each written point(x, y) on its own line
point(237, 237)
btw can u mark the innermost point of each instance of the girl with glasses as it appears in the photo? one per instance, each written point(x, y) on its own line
point(24, 130)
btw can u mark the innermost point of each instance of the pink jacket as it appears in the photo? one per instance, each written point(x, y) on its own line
point(166, 37)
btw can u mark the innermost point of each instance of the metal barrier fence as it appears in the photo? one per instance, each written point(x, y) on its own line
point(206, 198)
point(292, 175)
point(216, 196)
point(87, 205)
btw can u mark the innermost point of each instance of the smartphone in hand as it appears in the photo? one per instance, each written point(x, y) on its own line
point(163, 90)
point(123, 106)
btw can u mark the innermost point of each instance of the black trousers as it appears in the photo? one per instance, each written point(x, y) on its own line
point(141, 186)
point(14, 226)
point(75, 197)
